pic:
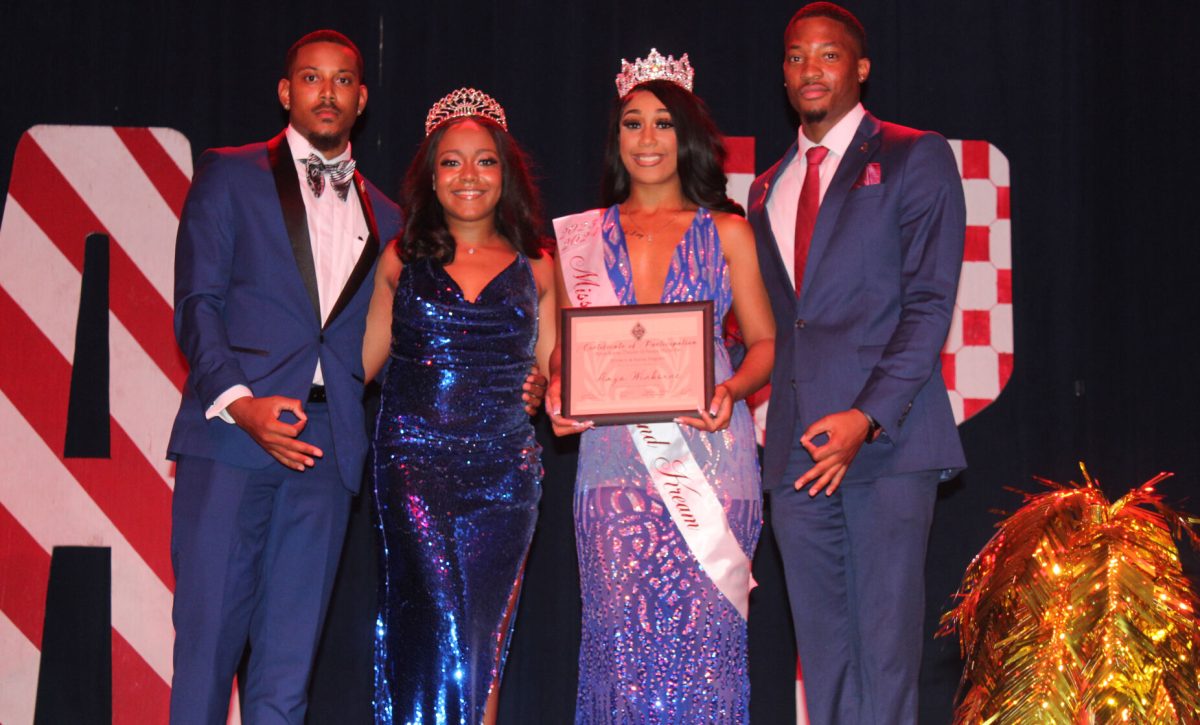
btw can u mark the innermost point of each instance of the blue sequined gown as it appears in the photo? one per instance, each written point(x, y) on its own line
point(457, 482)
point(661, 644)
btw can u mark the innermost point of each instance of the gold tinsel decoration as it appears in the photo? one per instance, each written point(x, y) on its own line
point(1077, 611)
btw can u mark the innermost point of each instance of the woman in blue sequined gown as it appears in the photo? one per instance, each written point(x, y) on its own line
point(464, 303)
point(661, 643)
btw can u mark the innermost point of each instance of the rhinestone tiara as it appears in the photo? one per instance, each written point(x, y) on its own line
point(654, 67)
point(462, 103)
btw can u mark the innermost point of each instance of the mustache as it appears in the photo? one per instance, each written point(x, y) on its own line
point(327, 105)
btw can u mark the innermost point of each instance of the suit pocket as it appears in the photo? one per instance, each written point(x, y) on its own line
point(865, 192)
point(250, 350)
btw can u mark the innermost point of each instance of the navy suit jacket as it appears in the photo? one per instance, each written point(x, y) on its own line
point(246, 305)
point(875, 305)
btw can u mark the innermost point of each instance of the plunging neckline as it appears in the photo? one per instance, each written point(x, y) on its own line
point(459, 290)
point(670, 264)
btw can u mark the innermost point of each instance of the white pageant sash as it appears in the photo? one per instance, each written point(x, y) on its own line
point(687, 494)
point(695, 509)
point(581, 256)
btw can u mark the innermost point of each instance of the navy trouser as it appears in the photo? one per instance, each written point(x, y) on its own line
point(855, 568)
point(255, 553)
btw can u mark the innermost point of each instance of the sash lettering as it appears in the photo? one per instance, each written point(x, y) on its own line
point(584, 281)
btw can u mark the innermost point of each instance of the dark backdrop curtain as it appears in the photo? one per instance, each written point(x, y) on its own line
point(1086, 99)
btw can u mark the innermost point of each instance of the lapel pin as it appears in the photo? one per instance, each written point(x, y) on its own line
point(863, 149)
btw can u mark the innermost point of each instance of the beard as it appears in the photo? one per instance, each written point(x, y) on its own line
point(324, 141)
point(815, 115)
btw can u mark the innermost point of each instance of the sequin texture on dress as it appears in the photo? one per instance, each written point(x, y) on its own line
point(457, 481)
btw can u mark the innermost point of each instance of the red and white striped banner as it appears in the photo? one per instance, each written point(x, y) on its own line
point(69, 182)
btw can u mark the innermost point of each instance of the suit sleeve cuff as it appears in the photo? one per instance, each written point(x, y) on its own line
point(219, 407)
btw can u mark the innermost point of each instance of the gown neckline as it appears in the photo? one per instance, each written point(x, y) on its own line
point(671, 267)
point(482, 290)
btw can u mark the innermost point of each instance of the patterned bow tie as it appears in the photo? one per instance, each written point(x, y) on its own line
point(340, 175)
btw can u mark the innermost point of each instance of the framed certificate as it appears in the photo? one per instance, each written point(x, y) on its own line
point(637, 363)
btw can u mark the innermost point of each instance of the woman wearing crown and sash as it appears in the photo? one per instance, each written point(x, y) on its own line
point(464, 303)
point(664, 609)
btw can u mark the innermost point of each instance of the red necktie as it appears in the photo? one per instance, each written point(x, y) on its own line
point(806, 210)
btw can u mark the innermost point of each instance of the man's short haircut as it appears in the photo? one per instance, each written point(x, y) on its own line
point(322, 36)
point(836, 13)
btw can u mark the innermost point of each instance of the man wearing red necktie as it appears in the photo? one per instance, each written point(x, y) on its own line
point(860, 230)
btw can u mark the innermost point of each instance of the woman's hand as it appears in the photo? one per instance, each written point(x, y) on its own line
point(720, 410)
point(532, 390)
point(562, 426)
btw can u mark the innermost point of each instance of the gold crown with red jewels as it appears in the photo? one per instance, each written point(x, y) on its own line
point(463, 103)
point(654, 67)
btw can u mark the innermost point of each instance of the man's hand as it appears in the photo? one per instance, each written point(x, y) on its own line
point(534, 390)
point(259, 417)
point(847, 431)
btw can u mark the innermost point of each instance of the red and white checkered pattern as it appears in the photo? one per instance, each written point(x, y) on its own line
point(739, 167)
point(977, 360)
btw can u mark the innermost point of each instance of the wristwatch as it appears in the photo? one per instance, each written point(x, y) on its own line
point(873, 427)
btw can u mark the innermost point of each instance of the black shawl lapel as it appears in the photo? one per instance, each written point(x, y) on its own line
point(287, 185)
point(365, 260)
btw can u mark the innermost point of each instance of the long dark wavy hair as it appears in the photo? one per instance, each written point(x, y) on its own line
point(701, 151)
point(518, 213)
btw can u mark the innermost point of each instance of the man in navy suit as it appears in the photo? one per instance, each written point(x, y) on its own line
point(860, 231)
point(275, 245)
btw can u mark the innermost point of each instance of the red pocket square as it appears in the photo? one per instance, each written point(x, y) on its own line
point(870, 176)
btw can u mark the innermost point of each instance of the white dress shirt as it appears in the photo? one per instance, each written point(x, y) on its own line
point(337, 232)
point(785, 195)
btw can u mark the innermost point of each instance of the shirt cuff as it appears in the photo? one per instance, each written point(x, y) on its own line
point(219, 407)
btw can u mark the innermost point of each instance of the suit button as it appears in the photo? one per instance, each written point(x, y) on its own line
point(321, 338)
point(793, 383)
point(800, 324)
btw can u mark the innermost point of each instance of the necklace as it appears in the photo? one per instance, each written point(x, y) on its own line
point(489, 242)
point(633, 230)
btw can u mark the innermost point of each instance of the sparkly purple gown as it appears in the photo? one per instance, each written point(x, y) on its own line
point(457, 481)
point(661, 644)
